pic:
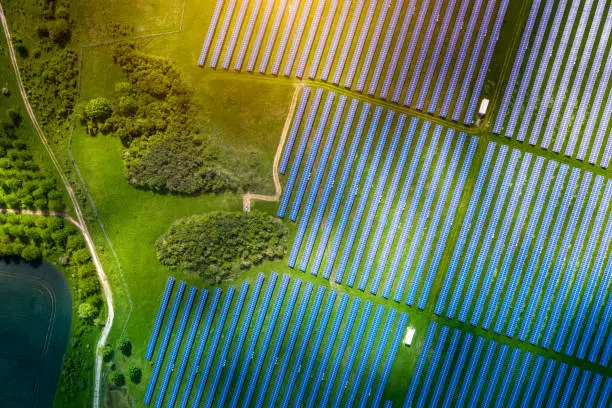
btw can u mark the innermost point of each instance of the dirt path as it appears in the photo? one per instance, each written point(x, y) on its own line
point(246, 198)
point(81, 219)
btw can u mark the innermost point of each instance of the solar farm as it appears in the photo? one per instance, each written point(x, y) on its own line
point(449, 207)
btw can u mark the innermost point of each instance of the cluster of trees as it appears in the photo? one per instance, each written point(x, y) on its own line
point(117, 377)
point(23, 185)
point(151, 114)
point(50, 70)
point(219, 245)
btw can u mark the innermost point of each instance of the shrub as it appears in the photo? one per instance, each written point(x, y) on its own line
point(87, 311)
point(117, 378)
point(107, 353)
point(125, 346)
point(60, 32)
point(135, 374)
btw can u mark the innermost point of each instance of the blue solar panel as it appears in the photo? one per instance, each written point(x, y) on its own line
point(314, 188)
point(348, 42)
point(518, 61)
point(231, 4)
point(358, 49)
point(593, 390)
point(525, 287)
point(534, 376)
point(503, 233)
point(582, 388)
point(560, 96)
point(295, 125)
point(382, 344)
point(297, 325)
point(488, 237)
point(374, 43)
point(346, 172)
point(465, 45)
point(408, 220)
point(210, 32)
point(423, 218)
point(164, 343)
point(467, 377)
point(350, 361)
point(187, 350)
point(364, 194)
point(279, 337)
point(248, 356)
point(175, 347)
point(331, 298)
point(553, 318)
point(555, 391)
point(384, 48)
point(261, 32)
point(236, 31)
point(246, 322)
point(331, 178)
point(352, 193)
point(297, 160)
point(329, 345)
point(424, 45)
point(483, 371)
point(321, 42)
point(333, 47)
point(437, 216)
point(378, 193)
point(329, 384)
point(544, 383)
point(420, 365)
point(386, 372)
point(554, 73)
point(161, 312)
point(525, 245)
point(200, 348)
point(312, 31)
point(584, 270)
point(449, 57)
point(600, 333)
point(465, 228)
point(605, 393)
point(505, 384)
point(543, 60)
point(389, 201)
point(297, 37)
point(568, 387)
point(212, 349)
point(312, 155)
point(399, 43)
point(484, 68)
point(399, 209)
point(520, 379)
point(446, 365)
point(457, 370)
point(265, 345)
point(399, 85)
point(432, 367)
point(280, 51)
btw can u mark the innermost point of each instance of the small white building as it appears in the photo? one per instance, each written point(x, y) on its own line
point(484, 105)
point(409, 335)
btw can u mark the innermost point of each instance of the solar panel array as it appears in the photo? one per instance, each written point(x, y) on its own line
point(561, 104)
point(532, 259)
point(375, 166)
point(283, 344)
point(388, 49)
point(456, 367)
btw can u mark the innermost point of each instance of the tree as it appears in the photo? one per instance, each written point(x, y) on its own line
point(60, 32)
point(107, 353)
point(117, 378)
point(125, 346)
point(15, 117)
point(87, 311)
point(135, 374)
point(98, 109)
point(31, 253)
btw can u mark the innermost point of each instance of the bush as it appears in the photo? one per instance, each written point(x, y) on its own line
point(135, 374)
point(117, 378)
point(60, 32)
point(219, 245)
point(87, 311)
point(107, 353)
point(98, 109)
point(125, 346)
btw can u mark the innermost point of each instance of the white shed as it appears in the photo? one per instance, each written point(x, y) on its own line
point(484, 105)
point(409, 335)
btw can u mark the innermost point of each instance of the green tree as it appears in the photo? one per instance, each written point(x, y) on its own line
point(125, 346)
point(117, 378)
point(107, 353)
point(15, 117)
point(135, 374)
point(98, 109)
point(31, 253)
point(59, 31)
point(87, 311)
